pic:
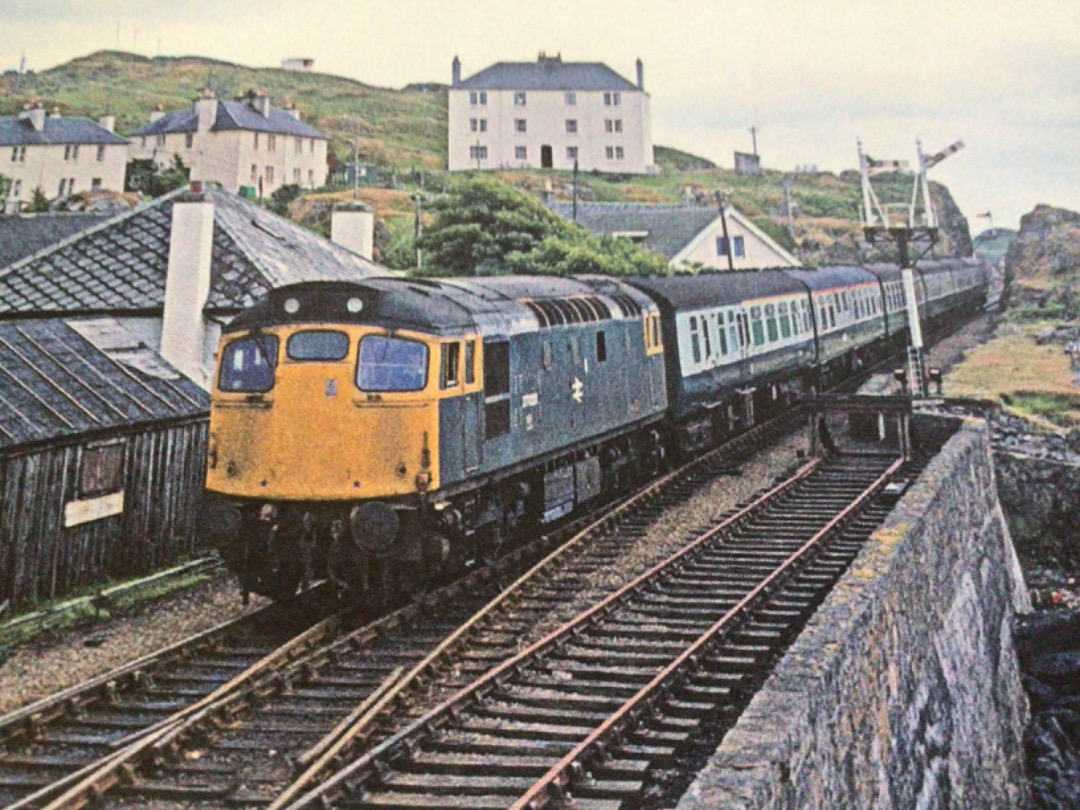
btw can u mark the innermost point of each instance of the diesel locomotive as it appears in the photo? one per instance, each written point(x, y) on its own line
point(382, 432)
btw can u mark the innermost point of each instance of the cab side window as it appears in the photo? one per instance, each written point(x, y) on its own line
point(449, 363)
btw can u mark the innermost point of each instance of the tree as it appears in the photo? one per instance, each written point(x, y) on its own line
point(5, 184)
point(280, 199)
point(483, 226)
point(39, 203)
point(152, 180)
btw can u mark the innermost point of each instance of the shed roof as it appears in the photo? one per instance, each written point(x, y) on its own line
point(232, 115)
point(121, 265)
point(16, 131)
point(547, 74)
point(23, 234)
point(64, 378)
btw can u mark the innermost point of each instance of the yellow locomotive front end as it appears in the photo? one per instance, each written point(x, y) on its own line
point(324, 434)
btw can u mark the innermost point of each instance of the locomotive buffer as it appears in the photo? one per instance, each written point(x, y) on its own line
point(912, 223)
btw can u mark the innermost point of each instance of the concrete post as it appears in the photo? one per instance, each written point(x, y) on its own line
point(187, 286)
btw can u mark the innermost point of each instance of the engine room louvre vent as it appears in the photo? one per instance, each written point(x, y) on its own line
point(630, 308)
point(561, 311)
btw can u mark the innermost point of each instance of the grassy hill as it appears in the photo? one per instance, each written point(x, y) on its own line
point(406, 130)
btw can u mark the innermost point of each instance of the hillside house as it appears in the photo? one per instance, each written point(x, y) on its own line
point(247, 146)
point(685, 235)
point(61, 156)
point(549, 114)
point(175, 270)
point(102, 458)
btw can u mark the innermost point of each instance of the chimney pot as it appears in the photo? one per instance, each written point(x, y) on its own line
point(455, 72)
point(640, 75)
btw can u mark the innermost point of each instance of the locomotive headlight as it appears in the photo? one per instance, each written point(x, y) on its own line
point(354, 305)
point(291, 306)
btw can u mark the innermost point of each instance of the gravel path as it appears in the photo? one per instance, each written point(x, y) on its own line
point(62, 658)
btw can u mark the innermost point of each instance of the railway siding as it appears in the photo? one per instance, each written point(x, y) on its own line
point(903, 690)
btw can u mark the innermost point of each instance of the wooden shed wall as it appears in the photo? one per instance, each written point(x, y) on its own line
point(40, 559)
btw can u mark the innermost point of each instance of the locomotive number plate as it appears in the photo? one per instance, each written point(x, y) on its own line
point(331, 388)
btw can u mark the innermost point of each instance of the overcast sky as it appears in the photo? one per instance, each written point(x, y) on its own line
point(1002, 76)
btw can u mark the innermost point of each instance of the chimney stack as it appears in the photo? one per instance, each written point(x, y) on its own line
point(293, 111)
point(187, 286)
point(640, 75)
point(36, 116)
point(352, 225)
point(261, 103)
point(206, 109)
point(55, 112)
point(108, 122)
point(455, 72)
point(156, 114)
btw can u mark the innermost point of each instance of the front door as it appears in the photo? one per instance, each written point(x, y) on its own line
point(545, 157)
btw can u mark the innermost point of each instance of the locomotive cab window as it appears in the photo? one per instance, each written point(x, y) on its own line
point(470, 362)
point(323, 344)
point(450, 360)
point(247, 365)
point(391, 364)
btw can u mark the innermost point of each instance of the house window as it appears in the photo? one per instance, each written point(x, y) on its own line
point(161, 139)
point(63, 185)
point(738, 247)
point(270, 175)
point(311, 177)
point(95, 184)
point(521, 153)
point(271, 142)
point(613, 125)
point(609, 152)
point(612, 99)
point(312, 149)
point(474, 124)
point(254, 172)
point(571, 126)
point(571, 153)
point(519, 98)
point(618, 153)
point(256, 140)
point(571, 99)
point(478, 152)
point(17, 188)
point(476, 98)
point(299, 145)
point(189, 140)
point(67, 152)
point(519, 125)
point(296, 176)
point(101, 469)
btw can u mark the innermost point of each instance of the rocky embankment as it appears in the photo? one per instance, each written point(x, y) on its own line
point(1042, 265)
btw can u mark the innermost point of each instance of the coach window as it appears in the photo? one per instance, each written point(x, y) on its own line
point(756, 326)
point(695, 341)
point(705, 320)
point(470, 362)
point(721, 331)
point(785, 321)
point(655, 330)
point(601, 347)
point(770, 322)
point(450, 360)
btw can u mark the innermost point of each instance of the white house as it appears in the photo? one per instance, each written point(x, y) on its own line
point(549, 114)
point(239, 144)
point(61, 156)
point(685, 235)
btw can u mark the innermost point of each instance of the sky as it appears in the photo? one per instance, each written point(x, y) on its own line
point(812, 77)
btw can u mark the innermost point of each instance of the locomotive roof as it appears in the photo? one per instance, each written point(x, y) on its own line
point(440, 306)
point(827, 278)
point(712, 289)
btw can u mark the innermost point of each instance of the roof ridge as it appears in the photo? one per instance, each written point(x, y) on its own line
point(69, 240)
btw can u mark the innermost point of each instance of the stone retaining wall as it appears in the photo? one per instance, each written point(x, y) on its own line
point(903, 692)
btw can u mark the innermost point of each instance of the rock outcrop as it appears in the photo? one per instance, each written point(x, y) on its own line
point(1042, 265)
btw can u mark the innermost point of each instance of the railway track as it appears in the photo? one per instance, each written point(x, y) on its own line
point(241, 748)
point(591, 710)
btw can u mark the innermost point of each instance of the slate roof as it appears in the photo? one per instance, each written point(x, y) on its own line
point(232, 115)
point(15, 131)
point(547, 74)
point(120, 266)
point(668, 228)
point(57, 383)
point(23, 234)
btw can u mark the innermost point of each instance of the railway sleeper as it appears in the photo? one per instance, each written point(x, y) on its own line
point(644, 632)
point(523, 730)
point(559, 698)
point(580, 671)
point(605, 688)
